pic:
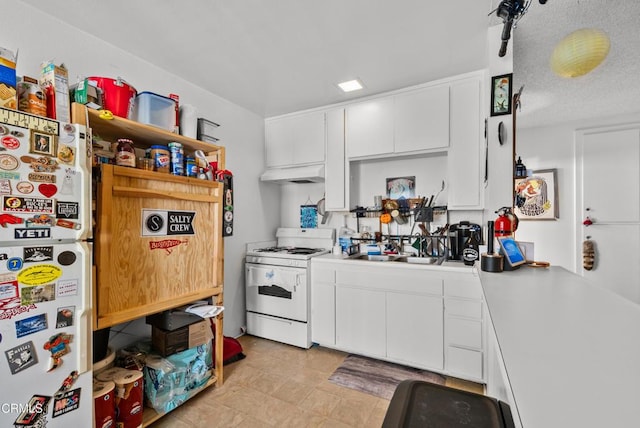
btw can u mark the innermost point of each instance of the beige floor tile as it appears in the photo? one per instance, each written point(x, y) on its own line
point(465, 385)
point(376, 418)
point(320, 402)
point(352, 412)
point(332, 423)
point(293, 392)
point(260, 406)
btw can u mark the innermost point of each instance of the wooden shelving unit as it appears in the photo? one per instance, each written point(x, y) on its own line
point(130, 279)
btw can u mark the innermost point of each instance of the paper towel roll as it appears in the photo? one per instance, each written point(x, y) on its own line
point(189, 121)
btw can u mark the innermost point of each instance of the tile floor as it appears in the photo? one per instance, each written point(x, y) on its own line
point(283, 386)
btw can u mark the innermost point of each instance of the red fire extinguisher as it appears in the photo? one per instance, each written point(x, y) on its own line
point(506, 223)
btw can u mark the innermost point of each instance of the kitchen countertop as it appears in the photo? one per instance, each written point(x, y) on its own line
point(571, 349)
point(447, 266)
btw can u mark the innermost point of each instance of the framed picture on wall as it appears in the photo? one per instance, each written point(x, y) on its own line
point(536, 196)
point(501, 92)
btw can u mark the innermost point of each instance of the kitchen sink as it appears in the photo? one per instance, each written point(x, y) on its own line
point(419, 260)
point(372, 257)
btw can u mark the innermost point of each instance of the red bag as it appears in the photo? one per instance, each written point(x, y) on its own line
point(231, 348)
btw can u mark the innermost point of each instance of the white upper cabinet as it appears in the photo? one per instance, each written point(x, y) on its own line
point(422, 119)
point(336, 181)
point(369, 128)
point(295, 140)
point(412, 121)
point(464, 157)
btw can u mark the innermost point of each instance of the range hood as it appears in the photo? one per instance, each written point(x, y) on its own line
point(296, 174)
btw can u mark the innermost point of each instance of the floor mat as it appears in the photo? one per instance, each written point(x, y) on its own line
point(377, 377)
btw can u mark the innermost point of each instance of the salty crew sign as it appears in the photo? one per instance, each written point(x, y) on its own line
point(167, 223)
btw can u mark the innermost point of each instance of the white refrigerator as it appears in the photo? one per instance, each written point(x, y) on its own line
point(45, 273)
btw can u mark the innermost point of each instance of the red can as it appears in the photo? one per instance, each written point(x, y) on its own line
point(104, 406)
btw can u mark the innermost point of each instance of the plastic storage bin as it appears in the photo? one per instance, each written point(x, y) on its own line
point(154, 109)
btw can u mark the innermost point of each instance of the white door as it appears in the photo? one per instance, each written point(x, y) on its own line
point(360, 321)
point(608, 192)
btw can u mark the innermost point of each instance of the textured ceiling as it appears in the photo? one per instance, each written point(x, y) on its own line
point(279, 56)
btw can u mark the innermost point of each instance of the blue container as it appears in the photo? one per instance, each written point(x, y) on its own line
point(176, 164)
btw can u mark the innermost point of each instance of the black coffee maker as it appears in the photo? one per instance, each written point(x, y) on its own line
point(459, 234)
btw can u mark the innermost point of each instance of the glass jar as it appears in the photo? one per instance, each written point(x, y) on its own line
point(125, 154)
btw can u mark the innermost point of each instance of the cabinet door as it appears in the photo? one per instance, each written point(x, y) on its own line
point(337, 166)
point(415, 330)
point(422, 119)
point(323, 305)
point(295, 140)
point(465, 183)
point(360, 321)
point(369, 128)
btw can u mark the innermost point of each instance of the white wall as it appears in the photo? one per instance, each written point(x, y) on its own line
point(241, 131)
point(554, 147)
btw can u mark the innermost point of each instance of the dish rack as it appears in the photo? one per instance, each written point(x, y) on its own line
point(426, 245)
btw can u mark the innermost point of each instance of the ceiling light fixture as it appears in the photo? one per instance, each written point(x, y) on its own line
point(350, 85)
point(580, 52)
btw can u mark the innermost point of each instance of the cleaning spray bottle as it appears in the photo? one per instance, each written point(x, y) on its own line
point(344, 236)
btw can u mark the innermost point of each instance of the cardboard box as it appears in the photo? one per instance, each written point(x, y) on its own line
point(8, 94)
point(57, 77)
point(166, 342)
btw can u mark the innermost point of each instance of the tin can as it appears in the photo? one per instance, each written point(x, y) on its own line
point(32, 99)
point(176, 163)
point(191, 169)
point(160, 157)
point(125, 155)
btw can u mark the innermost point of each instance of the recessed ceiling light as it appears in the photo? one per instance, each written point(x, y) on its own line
point(350, 85)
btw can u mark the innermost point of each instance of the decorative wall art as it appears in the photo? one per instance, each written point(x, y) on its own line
point(401, 187)
point(536, 196)
point(501, 94)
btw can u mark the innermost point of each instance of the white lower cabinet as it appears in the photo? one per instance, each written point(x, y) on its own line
point(415, 330)
point(360, 321)
point(465, 338)
point(423, 318)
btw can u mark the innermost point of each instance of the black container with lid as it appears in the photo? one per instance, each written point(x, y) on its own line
point(459, 235)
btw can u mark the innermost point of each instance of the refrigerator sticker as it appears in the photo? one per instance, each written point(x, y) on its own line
point(9, 219)
point(31, 325)
point(10, 175)
point(28, 205)
point(67, 182)
point(5, 186)
point(167, 223)
point(10, 142)
point(68, 224)
point(67, 383)
point(39, 220)
point(21, 357)
point(68, 210)
point(34, 413)
point(4, 256)
point(24, 187)
point(47, 189)
point(67, 287)
point(14, 264)
point(8, 162)
point(38, 294)
point(68, 402)
point(64, 318)
point(38, 254)
point(40, 274)
point(58, 345)
point(166, 244)
point(9, 290)
point(66, 154)
point(41, 178)
point(41, 163)
point(33, 233)
point(11, 308)
point(67, 258)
